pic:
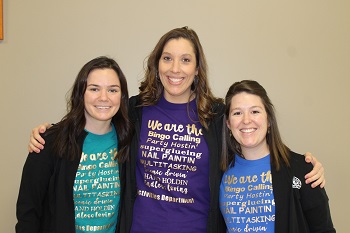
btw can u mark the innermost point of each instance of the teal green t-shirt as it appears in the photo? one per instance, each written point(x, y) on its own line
point(96, 190)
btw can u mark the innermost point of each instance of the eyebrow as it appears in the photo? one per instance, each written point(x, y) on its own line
point(96, 85)
point(255, 106)
point(186, 54)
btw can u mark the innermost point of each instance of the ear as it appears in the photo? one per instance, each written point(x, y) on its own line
point(228, 124)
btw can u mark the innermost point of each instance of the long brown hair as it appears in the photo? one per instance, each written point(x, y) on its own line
point(73, 123)
point(278, 150)
point(151, 89)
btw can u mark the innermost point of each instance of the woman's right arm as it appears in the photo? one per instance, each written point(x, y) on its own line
point(36, 142)
point(30, 206)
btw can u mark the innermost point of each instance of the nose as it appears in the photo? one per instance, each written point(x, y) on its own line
point(104, 95)
point(246, 118)
point(175, 68)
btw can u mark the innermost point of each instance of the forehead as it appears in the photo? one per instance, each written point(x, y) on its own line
point(103, 76)
point(245, 99)
point(179, 46)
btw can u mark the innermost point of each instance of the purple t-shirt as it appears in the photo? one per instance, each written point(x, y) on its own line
point(172, 171)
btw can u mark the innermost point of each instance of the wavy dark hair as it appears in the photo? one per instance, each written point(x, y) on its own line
point(278, 150)
point(72, 124)
point(151, 89)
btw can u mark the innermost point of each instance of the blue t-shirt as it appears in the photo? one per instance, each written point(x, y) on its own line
point(96, 188)
point(246, 196)
point(172, 171)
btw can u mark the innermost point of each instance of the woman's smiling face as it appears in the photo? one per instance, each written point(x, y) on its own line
point(248, 121)
point(102, 96)
point(177, 69)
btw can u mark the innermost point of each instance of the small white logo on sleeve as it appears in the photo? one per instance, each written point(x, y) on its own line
point(296, 183)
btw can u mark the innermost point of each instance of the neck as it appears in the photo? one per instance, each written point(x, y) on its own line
point(181, 99)
point(256, 152)
point(100, 129)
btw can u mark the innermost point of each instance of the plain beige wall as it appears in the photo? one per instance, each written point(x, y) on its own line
point(298, 50)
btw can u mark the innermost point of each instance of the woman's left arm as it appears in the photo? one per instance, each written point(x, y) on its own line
point(315, 203)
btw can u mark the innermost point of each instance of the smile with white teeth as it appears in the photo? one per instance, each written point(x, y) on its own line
point(103, 107)
point(175, 80)
point(248, 130)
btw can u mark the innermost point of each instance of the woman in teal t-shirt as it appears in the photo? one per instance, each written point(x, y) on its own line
point(73, 184)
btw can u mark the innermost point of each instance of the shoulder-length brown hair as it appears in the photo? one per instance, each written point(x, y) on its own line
point(73, 123)
point(151, 89)
point(278, 150)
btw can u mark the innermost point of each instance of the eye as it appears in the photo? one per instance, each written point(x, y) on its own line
point(236, 113)
point(255, 112)
point(94, 89)
point(187, 60)
point(167, 58)
point(115, 90)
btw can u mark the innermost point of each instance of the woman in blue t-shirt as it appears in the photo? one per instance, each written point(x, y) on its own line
point(263, 188)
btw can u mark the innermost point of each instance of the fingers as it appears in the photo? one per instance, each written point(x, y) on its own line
point(44, 127)
point(36, 142)
point(319, 183)
point(315, 173)
point(35, 136)
point(34, 145)
point(316, 176)
point(30, 149)
point(309, 157)
point(313, 160)
point(323, 184)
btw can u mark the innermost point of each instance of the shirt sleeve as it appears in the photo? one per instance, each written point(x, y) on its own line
point(33, 192)
point(314, 201)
